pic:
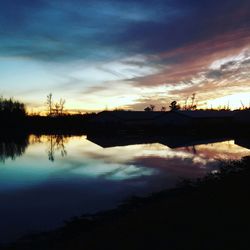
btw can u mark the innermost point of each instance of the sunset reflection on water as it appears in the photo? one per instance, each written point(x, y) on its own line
point(56, 177)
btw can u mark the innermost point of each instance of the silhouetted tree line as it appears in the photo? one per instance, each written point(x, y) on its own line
point(13, 116)
point(12, 113)
point(12, 108)
point(191, 103)
point(174, 106)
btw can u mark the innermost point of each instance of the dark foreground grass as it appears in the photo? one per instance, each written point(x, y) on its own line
point(212, 213)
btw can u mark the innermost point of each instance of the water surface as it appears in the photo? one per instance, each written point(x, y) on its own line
point(48, 179)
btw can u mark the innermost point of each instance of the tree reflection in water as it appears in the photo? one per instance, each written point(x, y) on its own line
point(56, 144)
point(12, 146)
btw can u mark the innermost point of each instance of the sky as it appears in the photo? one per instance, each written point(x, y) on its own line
point(125, 54)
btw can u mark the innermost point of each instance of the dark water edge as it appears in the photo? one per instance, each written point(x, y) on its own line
point(210, 213)
point(86, 123)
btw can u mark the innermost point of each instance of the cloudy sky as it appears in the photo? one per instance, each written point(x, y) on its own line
point(116, 53)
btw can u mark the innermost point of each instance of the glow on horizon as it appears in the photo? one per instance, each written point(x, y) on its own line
point(233, 101)
point(74, 106)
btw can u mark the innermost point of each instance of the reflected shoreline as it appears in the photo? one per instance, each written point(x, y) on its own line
point(13, 146)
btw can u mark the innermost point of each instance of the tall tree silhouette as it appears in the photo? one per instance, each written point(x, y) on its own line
point(49, 104)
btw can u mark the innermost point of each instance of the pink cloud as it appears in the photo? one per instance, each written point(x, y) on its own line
point(184, 63)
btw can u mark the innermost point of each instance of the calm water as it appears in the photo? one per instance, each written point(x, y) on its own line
point(48, 179)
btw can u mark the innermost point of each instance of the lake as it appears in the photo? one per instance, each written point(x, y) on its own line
point(45, 180)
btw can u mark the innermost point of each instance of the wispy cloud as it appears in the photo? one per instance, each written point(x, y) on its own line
point(105, 47)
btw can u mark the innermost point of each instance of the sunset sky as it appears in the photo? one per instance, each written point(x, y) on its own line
point(129, 54)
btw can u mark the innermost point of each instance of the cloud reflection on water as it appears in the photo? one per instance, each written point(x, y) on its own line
point(90, 178)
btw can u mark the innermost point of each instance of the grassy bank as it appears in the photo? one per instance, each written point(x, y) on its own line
point(212, 213)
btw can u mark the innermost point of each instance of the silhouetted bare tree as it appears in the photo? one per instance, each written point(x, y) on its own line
point(61, 106)
point(55, 109)
point(49, 104)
